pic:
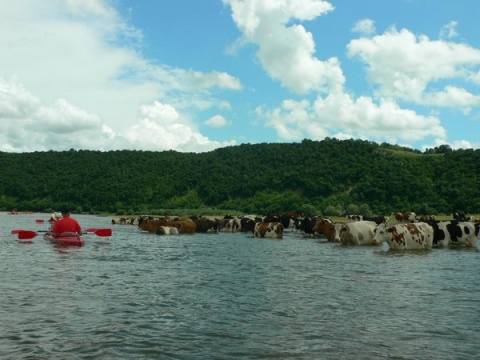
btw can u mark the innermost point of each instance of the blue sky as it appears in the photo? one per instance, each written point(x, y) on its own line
point(196, 75)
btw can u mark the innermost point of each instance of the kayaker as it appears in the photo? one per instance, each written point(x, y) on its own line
point(54, 218)
point(66, 224)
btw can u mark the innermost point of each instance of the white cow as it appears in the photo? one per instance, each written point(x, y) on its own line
point(405, 236)
point(454, 232)
point(355, 233)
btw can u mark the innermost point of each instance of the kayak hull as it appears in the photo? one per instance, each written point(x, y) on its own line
point(65, 239)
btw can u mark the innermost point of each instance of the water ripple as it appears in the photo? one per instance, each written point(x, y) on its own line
point(229, 296)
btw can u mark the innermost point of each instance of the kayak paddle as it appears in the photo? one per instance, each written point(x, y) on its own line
point(28, 234)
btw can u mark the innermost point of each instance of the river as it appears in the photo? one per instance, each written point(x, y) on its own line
point(135, 295)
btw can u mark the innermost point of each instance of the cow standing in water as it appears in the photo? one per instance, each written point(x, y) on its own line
point(273, 230)
point(405, 236)
point(355, 233)
point(463, 233)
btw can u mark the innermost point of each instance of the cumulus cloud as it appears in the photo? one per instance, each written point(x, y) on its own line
point(162, 128)
point(286, 51)
point(285, 48)
point(90, 86)
point(15, 101)
point(88, 81)
point(342, 116)
point(403, 65)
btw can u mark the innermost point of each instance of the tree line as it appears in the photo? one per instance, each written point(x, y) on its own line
point(328, 177)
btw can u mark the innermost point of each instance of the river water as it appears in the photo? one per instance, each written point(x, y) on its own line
point(231, 296)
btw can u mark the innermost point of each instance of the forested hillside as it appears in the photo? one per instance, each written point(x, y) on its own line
point(329, 177)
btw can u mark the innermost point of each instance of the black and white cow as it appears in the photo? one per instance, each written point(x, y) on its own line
point(454, 232)
point(355, 217)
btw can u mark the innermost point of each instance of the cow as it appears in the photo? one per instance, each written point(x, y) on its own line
point(289, 219)
point(307, 224)
point(154, 226)
point(231, 225)
point(377, 219)
point(460, 216)
point(205, 225)
point(247, 224)
point(167, 230)
point(184, 226)
point(402, 217)
point(326, 228)
point(272, 230)
point(355, 233)
point(124, 221)
point(426, 218)
point(150, 225)
point(463, 233)
point(354, 217)
point(221, 223)
point(405, 236)
point(271, 217)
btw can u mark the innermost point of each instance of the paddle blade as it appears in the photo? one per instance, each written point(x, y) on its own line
point(103, 232)
point(16, 231)
point(26, 234)
point(92, 229)
point(39, 221)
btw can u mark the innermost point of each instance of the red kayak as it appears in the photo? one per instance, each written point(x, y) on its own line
point(65, 239)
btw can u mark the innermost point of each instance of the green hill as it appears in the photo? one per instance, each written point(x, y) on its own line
point(330, 177)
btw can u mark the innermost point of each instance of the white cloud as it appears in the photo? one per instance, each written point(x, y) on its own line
point(286, 50)
point(162, 128)
point(341, 116)
point(292, 120)
point(449, 30)
point(77, 79)
point(364, 26)
point(15, 101)
point(216, 121)
point(403, 66)
point(453, 97)
point(64, 118)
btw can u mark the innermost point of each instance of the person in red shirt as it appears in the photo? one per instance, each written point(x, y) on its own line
point(67, 224)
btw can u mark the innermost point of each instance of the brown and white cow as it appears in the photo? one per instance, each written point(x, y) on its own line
point(326, 228)
point(405, 236)
point(403, 217)
point(273, 230)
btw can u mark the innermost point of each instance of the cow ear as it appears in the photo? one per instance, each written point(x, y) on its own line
point(390, 229)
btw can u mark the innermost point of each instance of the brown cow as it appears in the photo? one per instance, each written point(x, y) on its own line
point(185, 226)
point(325, 227)
point(155, 226)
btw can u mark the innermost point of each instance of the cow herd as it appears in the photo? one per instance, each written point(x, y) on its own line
point(405, 231)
